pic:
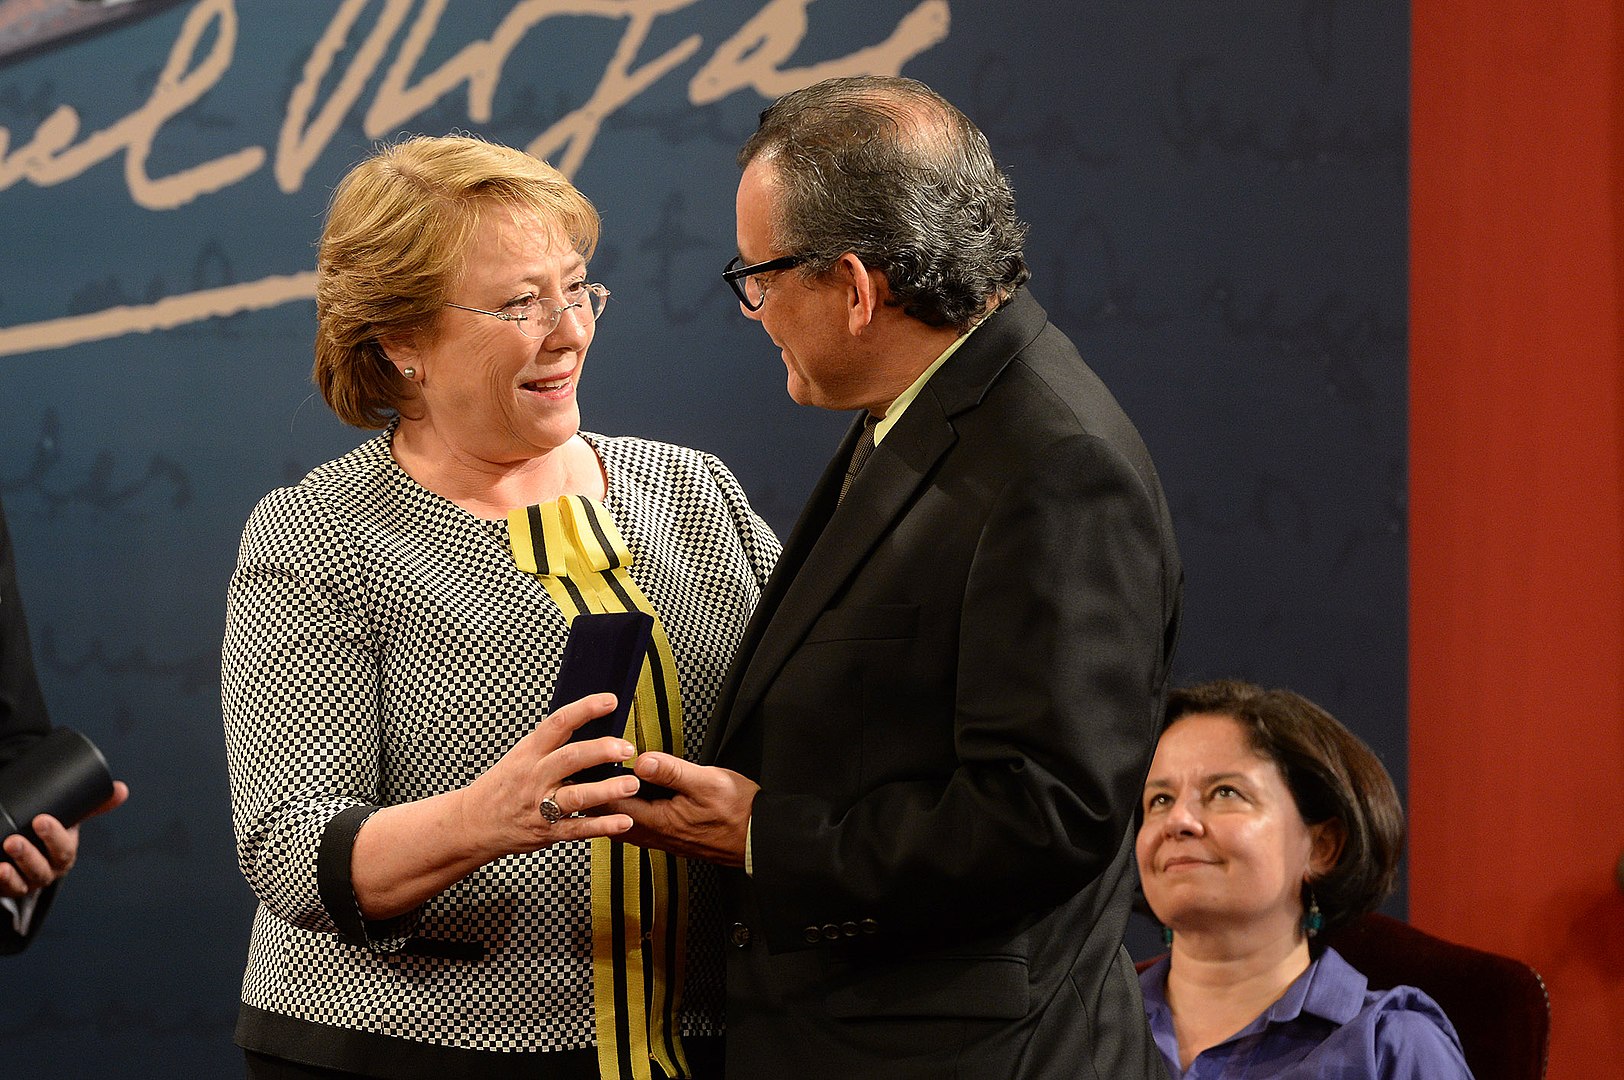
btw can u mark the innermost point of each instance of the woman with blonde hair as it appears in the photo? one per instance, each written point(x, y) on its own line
point(434, 899)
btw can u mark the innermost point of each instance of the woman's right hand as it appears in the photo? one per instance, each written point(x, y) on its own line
point(502, 808)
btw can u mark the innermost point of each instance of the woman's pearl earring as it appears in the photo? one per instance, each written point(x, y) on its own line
point(410, 373)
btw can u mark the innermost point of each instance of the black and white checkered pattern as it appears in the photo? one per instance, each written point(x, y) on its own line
point(382, 647)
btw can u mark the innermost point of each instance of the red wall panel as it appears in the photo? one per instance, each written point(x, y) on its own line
point(1516, 519)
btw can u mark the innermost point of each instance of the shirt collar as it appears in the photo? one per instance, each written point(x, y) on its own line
point(1331, 989)
point(894, 411)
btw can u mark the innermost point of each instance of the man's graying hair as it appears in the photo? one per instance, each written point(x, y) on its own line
point(888, 169)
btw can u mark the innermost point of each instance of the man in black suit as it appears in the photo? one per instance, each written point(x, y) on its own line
point(28, 880)
point(929, 751)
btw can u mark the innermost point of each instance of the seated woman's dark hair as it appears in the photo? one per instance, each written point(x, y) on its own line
point(1331, 774)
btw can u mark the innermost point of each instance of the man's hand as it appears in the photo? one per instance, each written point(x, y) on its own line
point(706, 819)
point(32, 869)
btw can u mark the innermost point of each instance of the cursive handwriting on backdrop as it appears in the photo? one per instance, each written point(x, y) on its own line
point(751, 59)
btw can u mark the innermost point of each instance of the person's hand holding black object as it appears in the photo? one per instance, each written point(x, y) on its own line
point(407, 853)
point(28, 869)
point(707, 815)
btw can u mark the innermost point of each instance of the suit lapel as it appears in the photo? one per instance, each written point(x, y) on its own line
point(814, 516)
point(827, 546)
point(838, 541)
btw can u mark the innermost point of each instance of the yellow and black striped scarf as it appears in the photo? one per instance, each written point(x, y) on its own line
point(639, 897)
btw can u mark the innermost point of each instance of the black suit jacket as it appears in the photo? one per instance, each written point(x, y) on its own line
point(950, 694)
point(22, 707)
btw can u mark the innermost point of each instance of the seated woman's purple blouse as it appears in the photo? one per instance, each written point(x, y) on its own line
point(1327, 1026)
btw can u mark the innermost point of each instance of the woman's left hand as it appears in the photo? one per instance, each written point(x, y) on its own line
point(407, 853)
point(503, 810)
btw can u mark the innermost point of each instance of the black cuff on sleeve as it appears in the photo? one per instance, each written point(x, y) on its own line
point(337, 888)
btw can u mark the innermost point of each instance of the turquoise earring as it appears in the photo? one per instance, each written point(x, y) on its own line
point(1313, 920)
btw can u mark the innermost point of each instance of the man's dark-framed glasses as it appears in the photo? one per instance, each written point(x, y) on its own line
point(747, 283)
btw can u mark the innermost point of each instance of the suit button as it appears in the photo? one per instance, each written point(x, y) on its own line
point(739, 935)
point(812, 935)
point(849, 929)
point(831, 932)
point(870, 926)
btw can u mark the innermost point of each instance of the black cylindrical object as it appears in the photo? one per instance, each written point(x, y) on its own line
point(63, 775)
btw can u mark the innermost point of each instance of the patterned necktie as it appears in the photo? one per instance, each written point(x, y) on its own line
point(859, 454)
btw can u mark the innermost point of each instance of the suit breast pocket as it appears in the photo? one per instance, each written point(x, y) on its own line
point(871, 622)
point(842, 683)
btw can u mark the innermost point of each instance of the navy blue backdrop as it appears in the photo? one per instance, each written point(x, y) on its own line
point(1216, 190)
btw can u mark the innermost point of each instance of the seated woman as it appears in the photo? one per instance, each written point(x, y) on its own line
point(1267, 824)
